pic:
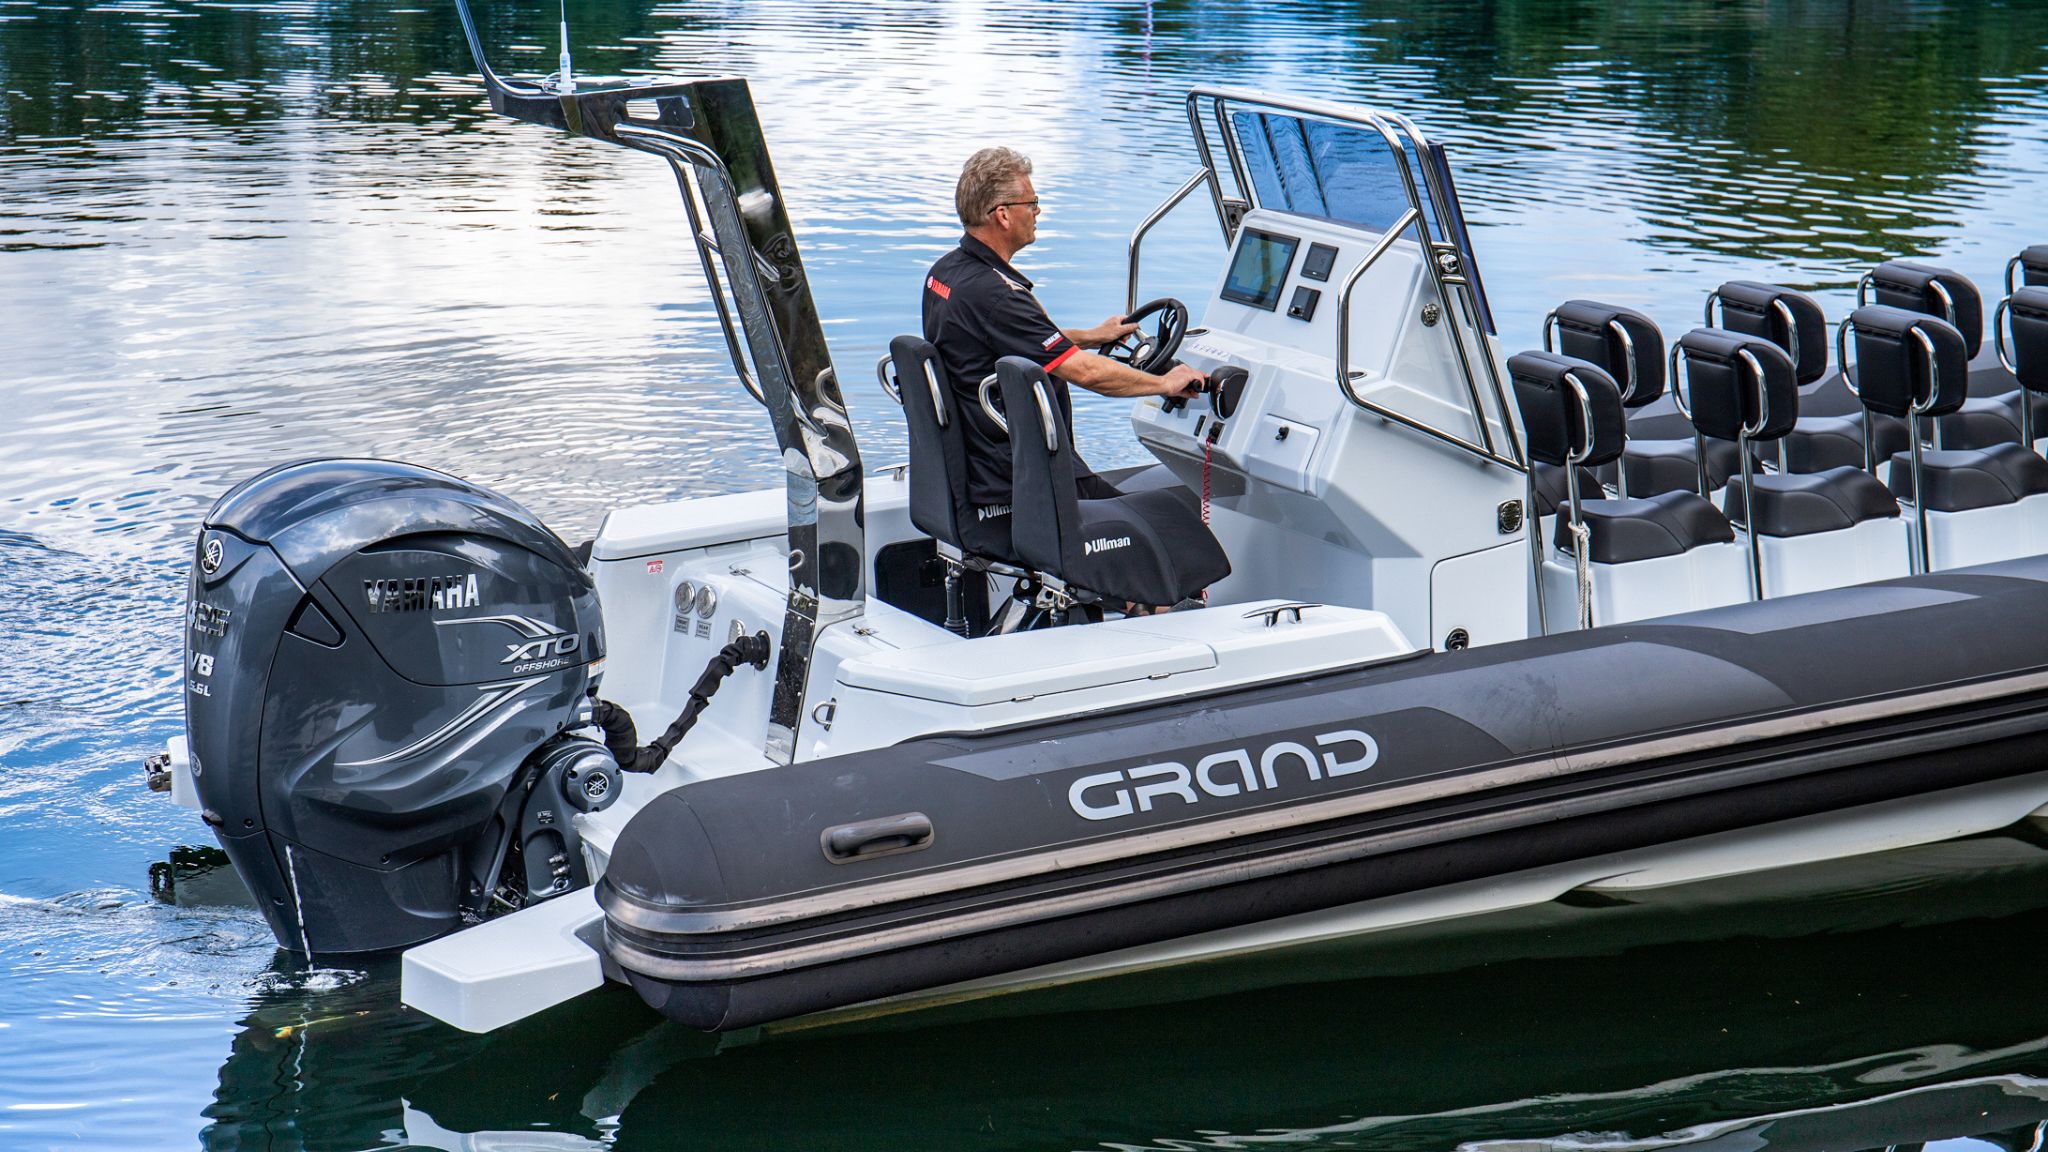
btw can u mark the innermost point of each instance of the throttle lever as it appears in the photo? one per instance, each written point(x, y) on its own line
point(1173, 404)
point(1226, 390)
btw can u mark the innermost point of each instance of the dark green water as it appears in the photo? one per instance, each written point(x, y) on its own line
point(237, 233)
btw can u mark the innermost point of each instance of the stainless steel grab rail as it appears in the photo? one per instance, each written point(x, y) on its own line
point(708, 256)
point(988, 406)
point(1372, 257)
point(888, 382)
point(2008, 361)
point(1138, 237)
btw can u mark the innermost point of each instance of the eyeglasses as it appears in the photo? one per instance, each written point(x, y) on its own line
point(1031, 204)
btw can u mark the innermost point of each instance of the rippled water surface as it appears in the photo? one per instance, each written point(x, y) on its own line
point(233, 234)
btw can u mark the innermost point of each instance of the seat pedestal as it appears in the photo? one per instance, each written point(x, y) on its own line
point(1984, 535)
point(1704, 576)
point(1872, 550)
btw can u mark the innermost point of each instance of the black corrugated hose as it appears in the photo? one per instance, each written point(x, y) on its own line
point(622, 738)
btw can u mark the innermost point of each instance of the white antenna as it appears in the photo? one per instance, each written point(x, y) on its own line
point(566, 80)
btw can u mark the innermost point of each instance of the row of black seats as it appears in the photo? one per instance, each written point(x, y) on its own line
point(1975, 410)
point(1832, 429)
point(1739, 391)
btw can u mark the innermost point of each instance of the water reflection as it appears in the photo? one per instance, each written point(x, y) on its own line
point(1814, 132)
point(1858, 1006)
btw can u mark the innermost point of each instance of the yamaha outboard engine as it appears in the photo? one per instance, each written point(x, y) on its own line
point(385, 668)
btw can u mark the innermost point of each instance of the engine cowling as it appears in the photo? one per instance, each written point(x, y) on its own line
point(378, 657)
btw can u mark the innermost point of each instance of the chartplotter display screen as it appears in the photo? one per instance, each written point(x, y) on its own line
point(1260, 268)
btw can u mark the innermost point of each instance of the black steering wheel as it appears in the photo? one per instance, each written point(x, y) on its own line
point(1153, 353)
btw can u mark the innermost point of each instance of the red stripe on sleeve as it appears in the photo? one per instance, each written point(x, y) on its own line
point(1061, 358)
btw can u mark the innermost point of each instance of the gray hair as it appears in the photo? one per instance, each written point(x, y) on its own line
point(989, 177)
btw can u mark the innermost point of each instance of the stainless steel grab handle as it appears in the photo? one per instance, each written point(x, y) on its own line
point(887, 380)
point(988, 406)
point(1378, 250)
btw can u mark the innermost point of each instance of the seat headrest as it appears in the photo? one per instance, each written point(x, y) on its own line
point(1736, 385)
point(1935, 292)
point(2034, 264)
point(1894, 371)
point(2030, 336)
point(938, 451)
point(1787, 318)
point(1621, 342)
point(1560, 426)
point(1028, 404)
point(918, 368)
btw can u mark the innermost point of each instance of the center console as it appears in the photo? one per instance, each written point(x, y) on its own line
point(1369, 510)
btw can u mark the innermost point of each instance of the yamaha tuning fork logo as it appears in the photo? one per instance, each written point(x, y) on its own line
point(211, 553)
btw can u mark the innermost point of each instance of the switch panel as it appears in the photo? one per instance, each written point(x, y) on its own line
point(1303, 306)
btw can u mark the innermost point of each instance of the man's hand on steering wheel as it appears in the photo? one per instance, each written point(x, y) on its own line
point(1110, 331)
point(1151, 353)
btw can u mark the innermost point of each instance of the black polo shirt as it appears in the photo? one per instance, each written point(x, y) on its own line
point(977, 310)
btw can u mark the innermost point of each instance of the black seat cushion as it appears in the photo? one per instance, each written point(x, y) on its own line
point(1667, 524)
point(1658, 466)
point(1659, 420)
point(1819, 443)
point(1550, 487)
point(1662, 420)
point(1961, 479)
point(1802, 503)
point(2011, 401)
point(1981, 422)
point(1989, 378)
point(1830, 397)
point(1147, 547)
point(1992, 417)
point(1989, 417)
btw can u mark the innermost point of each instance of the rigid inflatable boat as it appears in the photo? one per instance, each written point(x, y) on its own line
point(1427, 667)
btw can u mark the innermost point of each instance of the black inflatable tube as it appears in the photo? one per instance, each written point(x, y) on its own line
point(724, 918)
point(723, 1006)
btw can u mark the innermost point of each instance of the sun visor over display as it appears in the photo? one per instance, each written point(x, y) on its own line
point(1352, 176)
